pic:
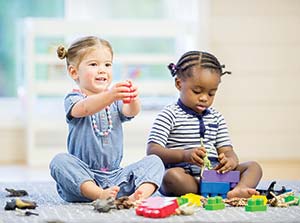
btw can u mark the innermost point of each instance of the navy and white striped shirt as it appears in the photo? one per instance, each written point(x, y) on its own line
point(173, 128)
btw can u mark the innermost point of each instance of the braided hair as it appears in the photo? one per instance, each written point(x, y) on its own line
point(196, 58)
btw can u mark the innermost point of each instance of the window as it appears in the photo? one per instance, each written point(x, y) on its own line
point(10, 13)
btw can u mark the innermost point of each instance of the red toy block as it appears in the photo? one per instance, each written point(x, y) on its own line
point(129, 85)
point(157, 207)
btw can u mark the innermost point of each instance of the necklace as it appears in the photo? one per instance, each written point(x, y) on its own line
point(110, 126)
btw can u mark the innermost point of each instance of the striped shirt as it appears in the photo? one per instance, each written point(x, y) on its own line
point(174, 128)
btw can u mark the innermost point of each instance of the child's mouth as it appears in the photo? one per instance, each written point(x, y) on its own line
point(200, 107)
point(101, 79)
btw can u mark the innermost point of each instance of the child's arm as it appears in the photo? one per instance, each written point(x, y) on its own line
point(194, 155)
point(96, 102)
point(134, 106)
point(227, 158)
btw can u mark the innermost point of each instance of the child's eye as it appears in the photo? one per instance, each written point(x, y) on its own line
point(108, 64)
point(197, 91)
point(211, 94)
point(93, 64)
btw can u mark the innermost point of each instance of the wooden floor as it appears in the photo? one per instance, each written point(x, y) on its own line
point(272, 170)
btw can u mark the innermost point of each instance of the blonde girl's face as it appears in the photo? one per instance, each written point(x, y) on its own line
point(94, 72)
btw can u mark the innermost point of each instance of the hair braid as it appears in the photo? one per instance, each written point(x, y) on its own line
point(196, 58)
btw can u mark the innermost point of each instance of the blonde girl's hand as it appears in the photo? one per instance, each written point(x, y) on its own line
point(120, 91)
point(195, 155)
point(134, 92)
point(226, 163)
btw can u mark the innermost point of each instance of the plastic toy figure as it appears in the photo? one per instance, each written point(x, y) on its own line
point(104, 205)
point(283, 200)
point(271, 189)
point(16, 193)
point(21, 204)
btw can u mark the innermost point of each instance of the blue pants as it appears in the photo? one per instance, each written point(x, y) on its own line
point(69, 172)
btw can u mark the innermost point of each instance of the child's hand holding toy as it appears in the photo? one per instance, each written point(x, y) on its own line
point(133, 92)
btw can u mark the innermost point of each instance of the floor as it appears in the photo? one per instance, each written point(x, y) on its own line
point(281, 169)
point(22, 173)
point(51, 208)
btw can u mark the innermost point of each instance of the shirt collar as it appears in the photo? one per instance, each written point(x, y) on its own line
point(190, 111)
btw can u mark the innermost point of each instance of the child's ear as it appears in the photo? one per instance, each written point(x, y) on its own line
point(178, 83)
point(73, 72)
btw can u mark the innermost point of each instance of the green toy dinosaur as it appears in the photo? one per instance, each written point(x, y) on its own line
point(206, 161)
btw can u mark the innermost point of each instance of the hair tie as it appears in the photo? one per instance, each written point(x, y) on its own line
point(173, 68)
point(225, 72)
point(62, 53)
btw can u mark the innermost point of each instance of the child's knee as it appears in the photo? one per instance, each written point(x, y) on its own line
point(172, 176)
point(156, 162)
point(255, 165)
point(58, 159)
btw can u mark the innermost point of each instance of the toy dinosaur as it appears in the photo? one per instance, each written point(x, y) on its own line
point(21, 204)
point(102, 205)
point(206, 161)
point(16, 193)
point(105, 205)
point(271, 189)
point(279, 200)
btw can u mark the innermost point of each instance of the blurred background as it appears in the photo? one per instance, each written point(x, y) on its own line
point(258, 40)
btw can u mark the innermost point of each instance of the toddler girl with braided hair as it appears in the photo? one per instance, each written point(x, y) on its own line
point(186, 133)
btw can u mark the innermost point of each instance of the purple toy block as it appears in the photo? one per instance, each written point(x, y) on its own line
point(212, 189)
point(232, 177)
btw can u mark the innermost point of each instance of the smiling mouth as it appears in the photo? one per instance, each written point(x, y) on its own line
point(102, 79)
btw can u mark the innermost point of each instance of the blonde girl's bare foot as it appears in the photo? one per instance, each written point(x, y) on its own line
point(242, 192)
point(109, 192)
point(137, 195)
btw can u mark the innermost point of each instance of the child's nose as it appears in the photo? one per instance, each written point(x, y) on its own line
point(101, 69)
point(203, 97)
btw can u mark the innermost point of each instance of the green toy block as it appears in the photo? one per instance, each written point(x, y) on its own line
point(255, 204)
point(214, 203)
point(292, 200)
point(289, 198)
point(182, 200)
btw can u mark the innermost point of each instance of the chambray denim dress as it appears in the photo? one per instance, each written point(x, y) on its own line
point(98, 158)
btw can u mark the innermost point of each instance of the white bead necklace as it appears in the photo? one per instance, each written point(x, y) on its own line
point(110, 126)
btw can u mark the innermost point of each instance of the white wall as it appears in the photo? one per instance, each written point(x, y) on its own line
point(259, 41)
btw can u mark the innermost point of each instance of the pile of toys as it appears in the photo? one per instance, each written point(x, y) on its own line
point(19, 205)
point(213, 188)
